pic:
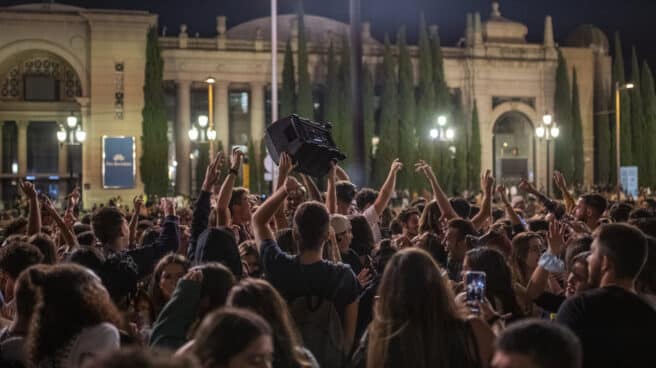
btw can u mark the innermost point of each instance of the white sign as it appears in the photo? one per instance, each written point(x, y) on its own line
point(629, 180)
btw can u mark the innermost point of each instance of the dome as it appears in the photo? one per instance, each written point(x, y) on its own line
point(49, 7)
point(503, 30)
point(587, 35)
point(318, 30)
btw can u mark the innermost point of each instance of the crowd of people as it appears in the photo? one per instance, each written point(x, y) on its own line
point(330, 278)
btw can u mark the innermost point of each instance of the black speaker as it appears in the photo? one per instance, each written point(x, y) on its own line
point(310, 144)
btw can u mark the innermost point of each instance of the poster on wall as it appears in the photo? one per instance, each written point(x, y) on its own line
point(118, 166)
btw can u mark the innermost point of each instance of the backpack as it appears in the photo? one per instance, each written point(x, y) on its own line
point(321, 328)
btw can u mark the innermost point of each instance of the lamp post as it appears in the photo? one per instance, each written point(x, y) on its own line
point(210, 110)
point(548, 131)
point(442, 132)
point(203, 135)
point(71, 135)
point(619, 87)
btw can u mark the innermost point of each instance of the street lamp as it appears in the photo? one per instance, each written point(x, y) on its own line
point(72, 135)
point(202, 133)
point(619, 87)
point(211, 136)
point(442, 132)
point(548, 131)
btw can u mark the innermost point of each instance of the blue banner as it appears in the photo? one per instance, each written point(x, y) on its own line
point(118, 162)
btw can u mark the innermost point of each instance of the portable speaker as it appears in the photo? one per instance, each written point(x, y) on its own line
point(310, 144)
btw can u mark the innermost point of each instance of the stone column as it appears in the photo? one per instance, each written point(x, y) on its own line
point(22, 148)
point(257, 112)
point(182, 143)
point(91, 155)
point(221, 116)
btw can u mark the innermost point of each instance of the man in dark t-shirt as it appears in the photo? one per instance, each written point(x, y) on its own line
point(306, 274)
point(615, 325)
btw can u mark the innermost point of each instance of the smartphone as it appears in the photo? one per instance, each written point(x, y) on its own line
point(475, 284)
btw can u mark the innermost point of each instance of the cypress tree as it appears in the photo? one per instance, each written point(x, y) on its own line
point(474, 151)
point(344, 124)
point(202, 161)
point(442, 107)
point(369, 111)
point(460, 145)
point(407, 113)
point(154, 157)
point(603, 144)
point(638, 127)
point(288, 93)
point(304, 105)
point(577, 132)
point(388, 148)
point(563, 160)
point(626, 152)
point(426, 93)
point(331, 111)
point(649, 104)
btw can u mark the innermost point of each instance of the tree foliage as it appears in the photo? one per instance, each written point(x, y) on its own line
point(388, 148)
point(288, 92)
point(563, 116)
point(407, 113)
point(626, 152)
point(154, 157)
point(304, 105)
point(639, 142)
point(369, 112)
point(577, 132)
point(649, 105)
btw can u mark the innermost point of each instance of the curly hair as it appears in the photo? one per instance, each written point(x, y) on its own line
point(46, 245)
point(260, 297)
point(69, 299)
point(17, 256)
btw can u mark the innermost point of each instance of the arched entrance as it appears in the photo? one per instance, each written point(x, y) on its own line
point(513, 144)
point(38, 90)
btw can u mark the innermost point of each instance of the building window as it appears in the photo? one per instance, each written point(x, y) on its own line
point(42, 148)
point(239, 117)
point(9, 148)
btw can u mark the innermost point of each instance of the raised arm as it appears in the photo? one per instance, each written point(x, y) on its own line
point(202, 209)
point(313, 191)
point(34, 218)
point(265, 212)
point(540, 277)
point(65, 231)
point(561, 184)
point(550, 205)
point(440, 197)
point(285, 167)
point(331, 191)
point(487, 185)
point(137, 203)
point(341, 173)
point(225, 193)
point(387, 190)
point(510, 211)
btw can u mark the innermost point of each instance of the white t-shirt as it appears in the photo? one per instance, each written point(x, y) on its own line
point(92, 341)
point(373, 219)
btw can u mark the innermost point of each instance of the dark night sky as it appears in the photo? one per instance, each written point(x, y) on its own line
point(633, 18)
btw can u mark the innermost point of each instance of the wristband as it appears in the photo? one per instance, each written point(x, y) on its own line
point(235, 172)
point(551, 263)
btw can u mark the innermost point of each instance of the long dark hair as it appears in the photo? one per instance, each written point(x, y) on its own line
point(157, 298)
point(499, 285)
point(260, 297)
point(225, 333)
point(69, 299)
point(416, 322)
point(430, 219)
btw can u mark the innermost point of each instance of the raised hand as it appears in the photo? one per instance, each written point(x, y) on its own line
point(396, 166)
point(487, 182)
point(503, 194)
point(235, 160)
point(291, 184)
point(559, 180)
point(285, 165)
point(168, 205)
point(137, 203)
point(525, 186)
point(47, 205)
point(556, 237)
point(28, 189)
point(212, 172)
